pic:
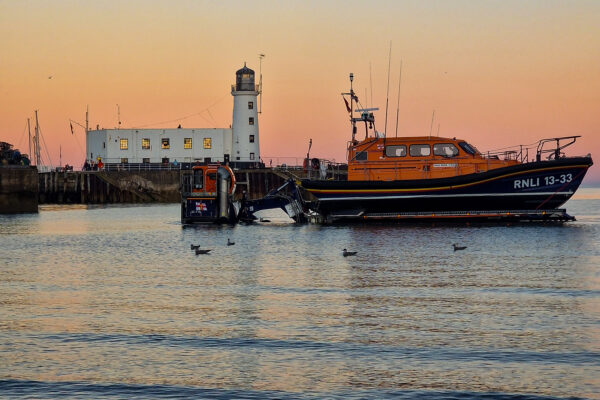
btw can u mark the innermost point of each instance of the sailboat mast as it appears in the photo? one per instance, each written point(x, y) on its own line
point(29, 141)
point(36, 141)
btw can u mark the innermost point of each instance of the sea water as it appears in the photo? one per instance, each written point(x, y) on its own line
point(110, 301)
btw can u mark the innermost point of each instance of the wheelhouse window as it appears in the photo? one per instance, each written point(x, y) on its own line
point(251, 121)
point(198, 179)
point(145, 144)
point(395, 151)
point(124, 144)
point(250, 105)
point(467, 148)
point(207, 142)
point(165, 143)
point(187, 143)
point(361, 156)
point(445, 150)
point(419, 150)
point(251, 138)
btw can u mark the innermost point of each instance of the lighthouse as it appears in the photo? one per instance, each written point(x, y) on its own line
point(245, 147)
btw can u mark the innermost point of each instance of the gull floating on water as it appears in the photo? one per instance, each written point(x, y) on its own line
point(458, 247)
point(201, 251)
point(194, 246)
point(347, 253)
point(229, 242)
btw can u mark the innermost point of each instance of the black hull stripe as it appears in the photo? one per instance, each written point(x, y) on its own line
point(416, 196)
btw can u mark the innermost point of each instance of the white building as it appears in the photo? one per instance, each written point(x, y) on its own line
point(238, 144)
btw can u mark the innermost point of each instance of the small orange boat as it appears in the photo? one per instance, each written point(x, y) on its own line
point(427, 176)
point(207, 194)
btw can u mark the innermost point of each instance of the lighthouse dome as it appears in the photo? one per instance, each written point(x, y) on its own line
point(244, 79)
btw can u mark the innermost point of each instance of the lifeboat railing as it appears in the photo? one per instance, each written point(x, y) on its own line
point(540, 149)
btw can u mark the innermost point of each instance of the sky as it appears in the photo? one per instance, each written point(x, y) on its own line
point(495, 73)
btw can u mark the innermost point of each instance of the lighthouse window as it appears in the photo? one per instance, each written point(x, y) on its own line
point(445, 150)
point(250, 105)
point(251, 121)
point(251, 138)
point(419, 150)
point(395, 151)
point(207, 143)
point(145, 144)
point(124, 144)
point(164, 143)
point(187, 143)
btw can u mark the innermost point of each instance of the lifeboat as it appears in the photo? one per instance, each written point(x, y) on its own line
point(430, 176)
point(207, 194)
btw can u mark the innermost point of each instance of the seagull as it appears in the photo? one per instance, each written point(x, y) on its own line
point(194, 246)
point(229, 242)
point(200, 251)
point(347, 253)
point(458, 247)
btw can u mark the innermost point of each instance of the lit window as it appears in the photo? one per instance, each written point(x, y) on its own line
point(145, 144)
point(250, 105)
point(207, 143)
point(419, 150)
point(187, 143)
point(251, 138)
point(252, 156)
point(251, 121)
point(124, 144)
point(164, 143)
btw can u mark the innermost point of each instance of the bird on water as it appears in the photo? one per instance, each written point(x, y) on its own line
point(458, 247)
point(347, 253)
point(202, 251)
point(194, 246)
point(229, 242)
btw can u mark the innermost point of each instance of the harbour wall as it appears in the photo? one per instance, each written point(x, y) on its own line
point(18, 189)
point(163, 186)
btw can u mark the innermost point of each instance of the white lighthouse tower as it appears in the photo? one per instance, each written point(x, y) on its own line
point(245, 146)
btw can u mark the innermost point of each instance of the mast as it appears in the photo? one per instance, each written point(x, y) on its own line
point(29, 141)
point(352, 107)
point(36, 140)
point(260, 57)
point(87, 121)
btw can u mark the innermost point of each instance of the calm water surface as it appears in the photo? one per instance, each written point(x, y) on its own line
point(111, 302)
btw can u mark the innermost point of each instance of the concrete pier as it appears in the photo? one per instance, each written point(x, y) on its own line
point(18, 189)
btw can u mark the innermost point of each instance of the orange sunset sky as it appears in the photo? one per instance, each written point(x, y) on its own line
point(497, 73)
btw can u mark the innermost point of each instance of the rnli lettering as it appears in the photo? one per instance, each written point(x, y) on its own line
point(545, 181)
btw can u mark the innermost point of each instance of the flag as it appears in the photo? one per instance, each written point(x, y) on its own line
point(347, 105)
point(72, 133)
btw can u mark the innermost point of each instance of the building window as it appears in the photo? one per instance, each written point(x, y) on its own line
point(145, 160)
point(252, 156)
point(250, 105)
point(237, 158)
point(124, 160)
point(145, 144)
point(395, 151)
point(251, 121)
point(124, 144)
point(164, 143)
point(187, 143)
point(103, 145)
point(419, 150)
point(165, 160)
point(207, 143)
point(251, 138)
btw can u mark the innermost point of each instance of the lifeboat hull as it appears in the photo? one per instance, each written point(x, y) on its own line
point(528, 186)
